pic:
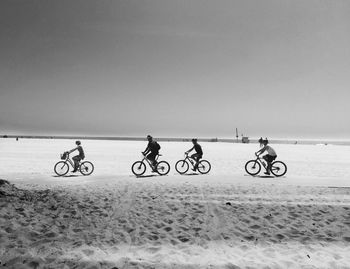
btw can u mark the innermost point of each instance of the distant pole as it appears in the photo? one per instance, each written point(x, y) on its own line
point(237, 134)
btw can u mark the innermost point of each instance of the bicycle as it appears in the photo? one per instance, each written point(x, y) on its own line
point(139, 167)
point(253, 167)
point(182, 166)
point(62, 167)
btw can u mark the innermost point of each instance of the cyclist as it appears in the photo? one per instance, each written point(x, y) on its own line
point(198, 155)
point(153, 149)
point(78, 157)
point(270, 156)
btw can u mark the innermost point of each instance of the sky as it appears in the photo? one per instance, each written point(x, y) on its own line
point(201, 68)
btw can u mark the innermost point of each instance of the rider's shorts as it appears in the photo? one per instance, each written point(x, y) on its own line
point(270, 158)
point(197, 156)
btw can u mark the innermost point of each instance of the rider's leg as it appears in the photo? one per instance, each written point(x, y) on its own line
point(268, 168)
point(266, 159)
point(269, 159)
point(152, 158)
point(196, 158)
point(76, 160)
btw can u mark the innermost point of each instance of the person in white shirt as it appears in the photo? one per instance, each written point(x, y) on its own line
point(270, 156)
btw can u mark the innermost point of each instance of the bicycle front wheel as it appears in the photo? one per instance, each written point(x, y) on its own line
point(163, 168)
point(61, 168)
point(86, 168)
point(278, 168)
point(252, 167)
point(181, 167)
point(204, 167)
point(138, 168)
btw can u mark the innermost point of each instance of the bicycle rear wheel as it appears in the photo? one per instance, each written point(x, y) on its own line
point(252, 167)
point(138, 168)
point(204, 167)
point(86, 168)
point(61, 168)
point(163, 168)
point(278, 168)
point(181, 167)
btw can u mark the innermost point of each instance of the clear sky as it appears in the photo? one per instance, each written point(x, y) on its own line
point(275, 68)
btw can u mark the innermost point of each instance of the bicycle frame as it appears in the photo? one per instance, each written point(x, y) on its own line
point(148, 161)
point(68, 160)
point(261, 161)
point(189, 159)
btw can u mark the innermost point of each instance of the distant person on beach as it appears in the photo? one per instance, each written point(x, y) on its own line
point(198, 155)
point(78, 157)
point(152, 150)
point(270, 156)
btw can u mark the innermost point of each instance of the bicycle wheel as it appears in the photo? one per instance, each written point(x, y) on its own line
point(163, 168)
point(278, 168)
point(86, 168)
point(252, 167)
point(181, 167)
point(204, 167)
point(61, 168)
point(138, 168)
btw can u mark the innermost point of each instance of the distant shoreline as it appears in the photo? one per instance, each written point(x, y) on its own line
point(180, 139)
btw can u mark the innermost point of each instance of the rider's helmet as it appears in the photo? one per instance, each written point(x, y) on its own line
point(265, 141)
point(194, 140)
point(149, 137)
point(77, 142)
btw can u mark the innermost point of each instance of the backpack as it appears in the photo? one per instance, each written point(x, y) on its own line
point(156, 145)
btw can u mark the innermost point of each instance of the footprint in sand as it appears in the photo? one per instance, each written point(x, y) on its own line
point(88, 252)
point(280, 236)
point(168, 229)
point(183, 239)
point(153, 237)
point(249, 238)
point(50, 235)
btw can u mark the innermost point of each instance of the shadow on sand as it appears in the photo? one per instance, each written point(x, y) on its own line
point(262, 176)
point(145, 176)
point(67, 176)
point(265, 176)
point(191, 174)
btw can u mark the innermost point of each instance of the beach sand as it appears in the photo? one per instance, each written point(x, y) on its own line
point(225, 219)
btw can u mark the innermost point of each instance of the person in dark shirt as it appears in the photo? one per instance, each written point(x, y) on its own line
point(198, 155)
point(152, 150)
point(78, 157)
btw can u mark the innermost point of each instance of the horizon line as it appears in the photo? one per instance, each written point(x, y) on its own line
point(184, 139)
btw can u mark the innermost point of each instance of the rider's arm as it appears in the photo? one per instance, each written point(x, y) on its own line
point(146, 150)
point(260, 151)
point(72, 150)
point(190, 150)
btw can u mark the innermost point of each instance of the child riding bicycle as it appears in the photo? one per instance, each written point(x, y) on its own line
point(153, 149)
point(198, 155)
point(78, 157)
point(269, 157)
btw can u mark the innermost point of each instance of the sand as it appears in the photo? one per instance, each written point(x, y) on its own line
point(225, 219)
